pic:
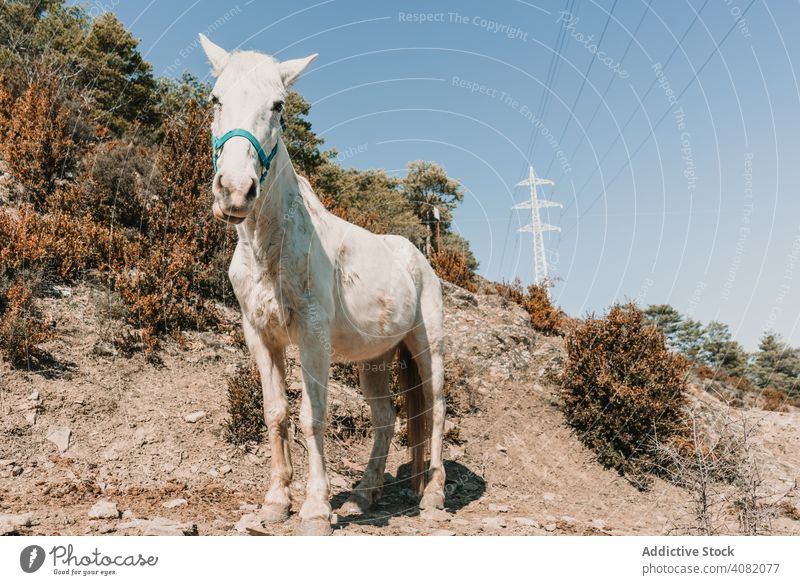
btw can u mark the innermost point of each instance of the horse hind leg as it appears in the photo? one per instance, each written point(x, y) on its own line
point(374, 377)
point(428, 356)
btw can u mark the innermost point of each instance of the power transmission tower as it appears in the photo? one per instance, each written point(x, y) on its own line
point(536, 226)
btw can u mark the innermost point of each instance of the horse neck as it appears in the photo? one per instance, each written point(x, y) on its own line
point(279, 201)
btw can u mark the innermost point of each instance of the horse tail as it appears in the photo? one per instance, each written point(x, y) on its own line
point(416, 414)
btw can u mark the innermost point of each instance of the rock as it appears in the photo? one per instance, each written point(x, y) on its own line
point(550, 527)
point(193, 417)
point(500, 448)
point(60, 436)
point(10, 524)
point(7, 462)
point(250, 524)
point(177, 502)
point(105, 349)
point(569, 519)
point(225, 469)
point(128, 515)
point(16, 471)
point(104, 509)
point(435, 515)
point(498, 508)
point(159, 527)
point(30, 417)
point(34, 395)
point(530, 522)
point(62, 291)
point(494, 523)
point(548, 496)
point(598, 523)
point(442, 533)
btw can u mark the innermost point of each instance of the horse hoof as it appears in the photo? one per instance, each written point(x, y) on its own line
point(355, 505)
point(315, 527)
point(432, 501)
point(273, 513)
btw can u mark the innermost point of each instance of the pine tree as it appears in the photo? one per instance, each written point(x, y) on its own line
point(776, 364)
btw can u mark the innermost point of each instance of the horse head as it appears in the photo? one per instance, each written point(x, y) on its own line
point(248, 99)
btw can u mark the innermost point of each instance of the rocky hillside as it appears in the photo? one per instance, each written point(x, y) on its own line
point(96, 442)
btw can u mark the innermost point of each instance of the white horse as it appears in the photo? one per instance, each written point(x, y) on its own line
point(306, 277)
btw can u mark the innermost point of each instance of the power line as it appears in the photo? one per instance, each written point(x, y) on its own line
point(666, 112)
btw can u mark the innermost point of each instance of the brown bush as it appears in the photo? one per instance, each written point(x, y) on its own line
point(623, 388)
point(774, 400)
point(36, 140)
point(37, 251)
point(118, 181)
point(170, 280)
point(545, 317)
point(245, 422)
point(452, 266)
point(717, 375)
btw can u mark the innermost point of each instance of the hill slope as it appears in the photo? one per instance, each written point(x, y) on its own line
point(513, 465)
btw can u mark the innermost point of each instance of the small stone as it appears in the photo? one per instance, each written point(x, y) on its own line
point(548, 496)
point(193, 417)
point(11, 523)
point(59, 436)
point(7, 462)
point(128, 515)
point(498, 508)
point(550, 527)
point(104, 509)
point(34, 395)
point(159, 527)
point(443, 533)
point(598, 523)
point(177, 502)
point(435, 515)
point(569, 519)
point(30, 417)
point(500, 448)
point(530, 522)
point(225, 469)
point(494, 523)
point(16, 471)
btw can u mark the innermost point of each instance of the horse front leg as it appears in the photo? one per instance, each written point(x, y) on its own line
point(315, 514)
point(271, 366)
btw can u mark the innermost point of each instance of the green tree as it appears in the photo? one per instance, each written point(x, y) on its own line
point(668, 320)
point(301, 142)
point(689, 339)
point(116, 76)
point(427, 186)
point(776, 364)
point(720, 351)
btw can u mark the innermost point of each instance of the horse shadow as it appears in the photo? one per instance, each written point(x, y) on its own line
point(399, 499)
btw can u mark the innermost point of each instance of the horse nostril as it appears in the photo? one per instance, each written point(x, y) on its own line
point(251, 193)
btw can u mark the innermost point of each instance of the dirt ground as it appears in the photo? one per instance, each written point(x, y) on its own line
point(94, 425)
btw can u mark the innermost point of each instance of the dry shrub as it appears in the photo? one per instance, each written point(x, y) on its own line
point(36, 140)
point(22, 327)
point(717, 375)
point(545, 317)
point(458, 392)
point(245, 422)
point(170, 281)
point(37, 251)
point(118, 181)
point(452, 266)
point(774, 400)
point(622, 388)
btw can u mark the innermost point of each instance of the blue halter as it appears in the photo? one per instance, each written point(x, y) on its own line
point(266, 161)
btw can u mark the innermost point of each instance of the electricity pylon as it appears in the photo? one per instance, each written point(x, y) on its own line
point(536, 226)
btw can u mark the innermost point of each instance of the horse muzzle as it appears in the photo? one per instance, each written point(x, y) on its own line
point(231, 218)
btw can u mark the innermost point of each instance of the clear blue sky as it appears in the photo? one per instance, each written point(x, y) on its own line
point(705, 216)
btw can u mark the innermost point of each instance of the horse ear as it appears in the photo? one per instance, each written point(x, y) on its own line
point(291, 70)
point(217, 56)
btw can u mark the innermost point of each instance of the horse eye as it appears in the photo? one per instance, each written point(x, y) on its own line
point(277, 106)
